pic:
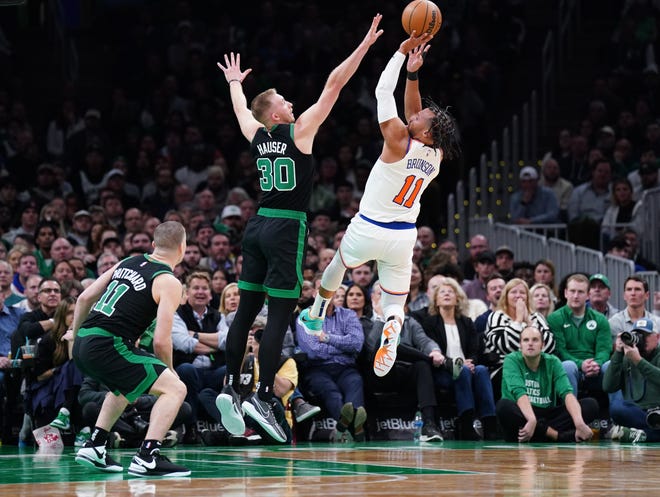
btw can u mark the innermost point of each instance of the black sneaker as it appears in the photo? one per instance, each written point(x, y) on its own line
point(155, 464)
point(653, 418)
point(97, 458)
point(229, 405)
point(262, 413)
point(305, 410)
point(430, 433)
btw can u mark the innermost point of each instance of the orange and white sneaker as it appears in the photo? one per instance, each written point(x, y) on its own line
point(386, 354)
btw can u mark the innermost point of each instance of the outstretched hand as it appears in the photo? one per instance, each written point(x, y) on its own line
point(374, 33)
point(232, 68)
point(416, 57)
point(414, 41)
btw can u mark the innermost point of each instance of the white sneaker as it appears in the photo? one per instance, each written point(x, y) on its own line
point(97, 458)
point(386, 354)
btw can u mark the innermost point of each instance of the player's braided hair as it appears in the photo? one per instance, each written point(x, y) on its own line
point(444, 130)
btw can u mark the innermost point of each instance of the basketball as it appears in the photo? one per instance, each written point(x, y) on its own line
point(421, 16)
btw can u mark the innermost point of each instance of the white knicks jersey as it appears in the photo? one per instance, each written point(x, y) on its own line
point(393, 190)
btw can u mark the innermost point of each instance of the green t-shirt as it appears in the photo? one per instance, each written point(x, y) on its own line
point(543, 387)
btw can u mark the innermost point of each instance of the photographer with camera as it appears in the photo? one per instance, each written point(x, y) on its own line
point(636, 296)
point(635, 370)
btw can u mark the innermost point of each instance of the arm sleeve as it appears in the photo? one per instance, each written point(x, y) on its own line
point(385, 88)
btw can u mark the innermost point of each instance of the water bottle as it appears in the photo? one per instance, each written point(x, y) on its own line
point(417, 426)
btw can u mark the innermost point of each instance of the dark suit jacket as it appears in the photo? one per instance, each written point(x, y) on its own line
point(434, 326)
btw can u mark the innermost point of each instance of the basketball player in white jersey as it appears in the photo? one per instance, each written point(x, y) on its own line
point(384, 228)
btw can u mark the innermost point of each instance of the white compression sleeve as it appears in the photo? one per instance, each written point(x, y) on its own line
point(385, 88)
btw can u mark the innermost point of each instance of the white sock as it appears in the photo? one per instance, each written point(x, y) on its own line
point(319, 307)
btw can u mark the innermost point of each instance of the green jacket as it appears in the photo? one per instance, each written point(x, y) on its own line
point(639, 384)
point(591, 340)
point(543, 387)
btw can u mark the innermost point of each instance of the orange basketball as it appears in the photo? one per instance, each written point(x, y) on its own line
point(422, 17)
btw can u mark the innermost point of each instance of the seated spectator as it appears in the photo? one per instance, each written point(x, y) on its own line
point(561, 187)
point(198, 341)
point(533, 384)
point(286, 380)
point(418, 297)
point(633, 245)
point(105, 261)
point(513, 313)
point(494, 287)
point(63, 272)
point(53, 394)
point(9, 318)
point(417, 356)
point(648, 178)
point(633, 371)
point(330, 373)
point(599, 295)
point(622, 210)
point(31, 292)
point(484, 267)
point(504, 261)
point(531, 203)
point(544, 272)
point(447, 325)
point(27, 266)
point(588, 203)
point(542, 299)
point(33, 325)
point(524, 270)
point(636, 296)
point(357, 300)
point(131, 427)
point(219, 280)
point(583, 337)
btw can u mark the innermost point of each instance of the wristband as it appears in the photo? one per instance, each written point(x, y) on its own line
point(412, 76)
point(232, 80)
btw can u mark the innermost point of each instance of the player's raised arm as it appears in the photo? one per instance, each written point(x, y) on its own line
point(309, 121)
point(232, 70)
point(392, 127)
point(412, 102)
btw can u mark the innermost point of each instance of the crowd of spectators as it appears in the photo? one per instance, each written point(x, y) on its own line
point(85, 185)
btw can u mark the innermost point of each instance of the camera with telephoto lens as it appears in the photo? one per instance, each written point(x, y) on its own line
point(631, 338)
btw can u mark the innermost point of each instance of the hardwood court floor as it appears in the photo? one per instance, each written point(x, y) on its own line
point(381, 469)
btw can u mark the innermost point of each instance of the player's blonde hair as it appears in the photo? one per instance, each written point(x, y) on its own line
point(169, 235)
point(261, 105)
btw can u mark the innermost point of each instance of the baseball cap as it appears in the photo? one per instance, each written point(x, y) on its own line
point(504, 248)
point(115, 172)
point(648, 167)
point(93, 113)
point(600, 277)
point(607, 129)
point(231, 210)
point(645, 325)
point(81, 213)
point(46, 166)
point(486, 257)
point(528, 172)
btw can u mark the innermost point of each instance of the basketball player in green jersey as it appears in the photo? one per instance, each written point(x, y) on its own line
point(274, 240)
point(110, 316)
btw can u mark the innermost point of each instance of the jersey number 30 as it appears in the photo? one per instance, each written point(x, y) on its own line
point(106, 304)
point(279, 174)
point(405, 189)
